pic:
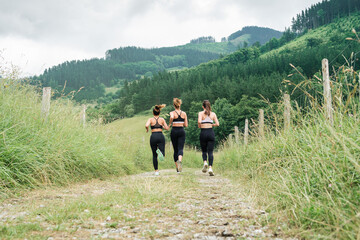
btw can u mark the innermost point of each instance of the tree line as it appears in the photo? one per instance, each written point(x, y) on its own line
point(323, 13)
point(129, 63)
point(199, 40)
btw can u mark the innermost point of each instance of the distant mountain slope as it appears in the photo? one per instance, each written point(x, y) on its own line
point(131, 63)
point(250, 34)
point(253, 34)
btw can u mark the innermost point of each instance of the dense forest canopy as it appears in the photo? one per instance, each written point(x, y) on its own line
point(128, 63)
point(323, 13)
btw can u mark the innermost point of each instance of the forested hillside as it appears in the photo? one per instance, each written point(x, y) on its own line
point(323, 13)
point(237, 83)
point(253, 35)
point(130, 63)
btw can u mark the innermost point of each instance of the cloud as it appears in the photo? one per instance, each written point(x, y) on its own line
point(76, 29)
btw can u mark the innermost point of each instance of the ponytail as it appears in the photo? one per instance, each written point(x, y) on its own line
point(157, 108)
point(206, 105)
point(177, 102)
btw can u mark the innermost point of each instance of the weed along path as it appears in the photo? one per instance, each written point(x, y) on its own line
point(190, 205)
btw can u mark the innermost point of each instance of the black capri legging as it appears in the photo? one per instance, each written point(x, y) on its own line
point(178, 140)
point(207, 142)
point(157, 140)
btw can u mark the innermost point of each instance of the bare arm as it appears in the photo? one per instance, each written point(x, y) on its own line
point(216, 124)
point(185, 121)
point(199, 120)
point(147, 124)
point(171, 118)
point(166, 127)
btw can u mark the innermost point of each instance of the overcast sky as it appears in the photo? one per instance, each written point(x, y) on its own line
point(37, 34)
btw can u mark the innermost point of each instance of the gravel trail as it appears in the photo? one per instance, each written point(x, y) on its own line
point(206, 208)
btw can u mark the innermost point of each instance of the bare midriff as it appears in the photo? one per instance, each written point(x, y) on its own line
point(177, 124)
point(206, 125)
point(156, 130)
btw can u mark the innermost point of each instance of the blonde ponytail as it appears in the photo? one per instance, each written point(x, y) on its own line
point(177, 102)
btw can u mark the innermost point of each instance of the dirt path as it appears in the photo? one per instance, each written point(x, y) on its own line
point(190, 205)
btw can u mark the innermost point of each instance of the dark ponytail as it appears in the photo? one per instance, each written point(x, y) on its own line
point(206, 105)
point(157, 108)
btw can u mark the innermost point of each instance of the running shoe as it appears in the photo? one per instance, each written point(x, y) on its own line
point(156, 173)
point(204, 170)
point(179, 164)
point(160, 155)
point(211, 173)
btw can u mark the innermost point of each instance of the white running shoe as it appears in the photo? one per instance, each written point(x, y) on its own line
point(211, 173)
point(204, 170)
point(156, 173)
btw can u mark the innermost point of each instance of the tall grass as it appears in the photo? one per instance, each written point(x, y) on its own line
point(58, 150)
point(309, 176)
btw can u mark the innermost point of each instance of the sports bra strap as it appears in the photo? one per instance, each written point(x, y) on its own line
point(156, 125)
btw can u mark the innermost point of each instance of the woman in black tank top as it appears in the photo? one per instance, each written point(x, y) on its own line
point(178, 120)
point(157, 139)
point(206, 121)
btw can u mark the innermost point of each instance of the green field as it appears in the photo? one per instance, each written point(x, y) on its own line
point(112, 90)
point(216, 47)
point(241, 39)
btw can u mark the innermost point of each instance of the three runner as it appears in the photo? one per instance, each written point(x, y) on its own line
point(178, 120)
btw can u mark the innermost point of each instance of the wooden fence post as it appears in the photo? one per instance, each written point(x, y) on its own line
point(327, 90)
point(261, 124)
point(287, 109)
point(45, 104)
point(230, 139)
point(246, 132)
point(83, 115)
point(237, 134)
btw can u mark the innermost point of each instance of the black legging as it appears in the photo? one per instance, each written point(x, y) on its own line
point(157, 140)
point(207, 142)
point(178, 140)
